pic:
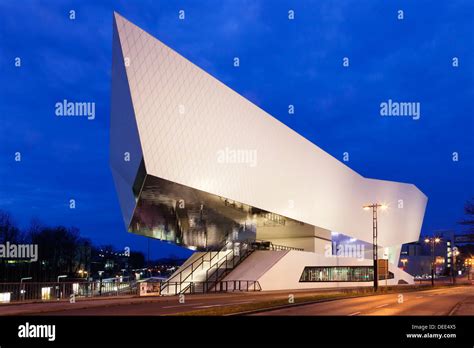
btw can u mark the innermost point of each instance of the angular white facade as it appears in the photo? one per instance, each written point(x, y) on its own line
point(180, 121)
point(267, 268)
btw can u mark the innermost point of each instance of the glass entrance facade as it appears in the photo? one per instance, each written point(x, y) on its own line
point(340, 274)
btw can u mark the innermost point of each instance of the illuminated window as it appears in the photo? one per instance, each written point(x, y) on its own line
point(46, 293)
point(340, 274)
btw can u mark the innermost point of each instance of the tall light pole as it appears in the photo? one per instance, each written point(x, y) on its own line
point(374, 207)
point(59, 289)
point(455, 253)
point(404, 263)
point(22, 289)
point(468, 266)
point(432, 241)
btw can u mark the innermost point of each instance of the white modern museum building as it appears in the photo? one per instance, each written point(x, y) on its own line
point(196, 164)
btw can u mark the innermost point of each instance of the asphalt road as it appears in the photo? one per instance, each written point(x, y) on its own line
point(445, 301)
point(148, 305)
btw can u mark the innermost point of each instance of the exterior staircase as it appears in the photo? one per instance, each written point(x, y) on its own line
point(201, 273)
point(204, 271)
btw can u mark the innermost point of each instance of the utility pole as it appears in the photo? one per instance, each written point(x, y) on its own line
point(148, 259)
point(374, 207)
point(455, 252)
point(375, 247)
point(432, 264)
point(432, 241)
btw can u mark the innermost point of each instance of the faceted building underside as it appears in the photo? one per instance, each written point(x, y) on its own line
point(196, 164)
point(179, 214)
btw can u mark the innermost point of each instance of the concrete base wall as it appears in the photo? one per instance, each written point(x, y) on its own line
point(280, 270)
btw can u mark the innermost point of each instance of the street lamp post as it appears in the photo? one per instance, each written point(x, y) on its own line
point(432, 241)
point(469, 272)
point(22, 289)
point(468, 266)
point(374, 207)
point(59, 289)
point(100, 282)
point(455, 252)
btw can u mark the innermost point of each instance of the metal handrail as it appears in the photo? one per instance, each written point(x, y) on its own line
point(216, 268)
point(200, 262)
point(277, 247)
point(80, 288)
point(216, 286)
point(241, 256)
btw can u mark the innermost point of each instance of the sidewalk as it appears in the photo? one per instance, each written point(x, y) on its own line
point(52, 306)
point(32, 308)
point(84, 303)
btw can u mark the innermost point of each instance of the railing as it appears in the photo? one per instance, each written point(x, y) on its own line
point(30, 291)
point(266, 245)
point(216, 271)
point(220, 269)
point(188, 271)
point(176, 288)
point(195, 266)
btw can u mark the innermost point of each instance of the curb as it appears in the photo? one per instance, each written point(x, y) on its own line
point(270, 309)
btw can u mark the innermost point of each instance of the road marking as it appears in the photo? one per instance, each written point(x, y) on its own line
point(352, 314)
point(240, 302)
point(382, 305)
point(455, 308)
point(209, 306)
point(182, 305)
point(225, 304)
point(419, 297)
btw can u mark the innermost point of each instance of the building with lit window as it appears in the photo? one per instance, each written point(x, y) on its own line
point(416, 258)
point(196, 164)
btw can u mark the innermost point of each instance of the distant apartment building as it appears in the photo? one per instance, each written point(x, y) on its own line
point(416, 258)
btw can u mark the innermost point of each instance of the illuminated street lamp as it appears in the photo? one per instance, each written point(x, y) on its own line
point(432, 241)
point(100, 282)
point(27, 278)
point(374, 207)
point(404, 262)
point(453, 268)
point(468, 265)
point(83, 273)
point(22, 289)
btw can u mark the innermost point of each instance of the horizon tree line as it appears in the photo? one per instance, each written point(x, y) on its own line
point(61, 251)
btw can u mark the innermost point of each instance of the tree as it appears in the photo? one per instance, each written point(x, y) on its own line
point(84, 254)
point(469, 211)
point(57, 248)
point(136, 260)
point(9, 232)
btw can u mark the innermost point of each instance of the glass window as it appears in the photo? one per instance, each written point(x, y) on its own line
point(340, 274)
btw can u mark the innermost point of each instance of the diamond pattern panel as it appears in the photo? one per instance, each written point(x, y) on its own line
point(187, 119)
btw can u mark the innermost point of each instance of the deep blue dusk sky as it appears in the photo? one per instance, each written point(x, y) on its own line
point(282, 62)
